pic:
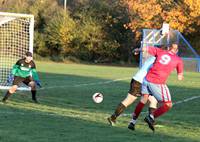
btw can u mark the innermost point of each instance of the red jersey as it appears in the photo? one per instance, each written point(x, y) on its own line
point(165, 63)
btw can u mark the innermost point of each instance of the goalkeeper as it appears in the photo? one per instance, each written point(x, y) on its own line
point(24, 71)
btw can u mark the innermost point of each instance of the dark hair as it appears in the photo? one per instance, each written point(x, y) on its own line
point(29, 54)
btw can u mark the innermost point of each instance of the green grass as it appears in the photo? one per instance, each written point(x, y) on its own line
point(66, 112)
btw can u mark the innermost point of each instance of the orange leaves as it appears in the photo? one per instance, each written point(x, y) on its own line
point(194, 7)
point(144, 10)
point(176, 19)
point(152, 13)
point(143, 14)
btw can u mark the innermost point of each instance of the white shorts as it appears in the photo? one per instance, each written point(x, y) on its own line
point(159, 91)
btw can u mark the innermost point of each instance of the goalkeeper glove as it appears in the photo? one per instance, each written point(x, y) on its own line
point(38, 83)
point(10, 78)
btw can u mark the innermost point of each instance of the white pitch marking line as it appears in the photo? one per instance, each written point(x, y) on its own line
point(123, 115)
point(85, 84)
point(176, 103)
point(186, 100)
point(107, 82)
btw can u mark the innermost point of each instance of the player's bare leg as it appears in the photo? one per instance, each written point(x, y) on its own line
point(121, 107)
point(33, 91)
point(9, 93)
point(129, 100)
point(152, 104)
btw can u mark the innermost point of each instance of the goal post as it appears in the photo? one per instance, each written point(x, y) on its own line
point(16, 38)
point(158, 37)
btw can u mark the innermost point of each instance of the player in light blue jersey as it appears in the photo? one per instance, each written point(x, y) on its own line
point(140, 75)
point(134, 91)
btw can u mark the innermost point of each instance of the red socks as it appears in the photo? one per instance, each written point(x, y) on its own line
point(161, 110)
point(138, 109)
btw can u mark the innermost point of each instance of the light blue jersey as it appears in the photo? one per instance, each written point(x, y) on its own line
point(140, 75)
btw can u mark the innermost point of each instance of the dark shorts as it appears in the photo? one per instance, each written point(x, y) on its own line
point(135, 88)
point(18, 80)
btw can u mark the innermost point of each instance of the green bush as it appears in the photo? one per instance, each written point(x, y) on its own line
point(89, 30)
point(59, 33)
point(40, 45)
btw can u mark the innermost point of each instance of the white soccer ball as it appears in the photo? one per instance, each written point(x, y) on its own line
point(97, 98)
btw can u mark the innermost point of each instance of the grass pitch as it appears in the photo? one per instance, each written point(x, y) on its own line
point(66, 112)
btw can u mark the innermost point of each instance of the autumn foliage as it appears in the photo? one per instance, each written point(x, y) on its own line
point(103, 30)
point(183, 15)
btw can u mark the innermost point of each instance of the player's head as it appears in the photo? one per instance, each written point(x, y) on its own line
point(28, 57)
point(174, 48)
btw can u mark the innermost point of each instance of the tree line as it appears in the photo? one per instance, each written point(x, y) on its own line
point(103, 30)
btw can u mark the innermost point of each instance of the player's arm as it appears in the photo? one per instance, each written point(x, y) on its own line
point(179, 70)
point(14, 70)
point(136, 51)
point(151, 50)
point(35, 75)
point(180, 76)
point(15, 67)
point(36, 78)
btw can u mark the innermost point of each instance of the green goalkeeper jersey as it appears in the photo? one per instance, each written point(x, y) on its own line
point(23, 69)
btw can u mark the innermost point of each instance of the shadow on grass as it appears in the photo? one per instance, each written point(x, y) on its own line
point(33, 126)
point(71, 115)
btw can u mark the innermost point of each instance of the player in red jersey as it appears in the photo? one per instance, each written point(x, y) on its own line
point(155, 84)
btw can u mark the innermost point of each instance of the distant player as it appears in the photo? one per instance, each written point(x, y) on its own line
point(134, 92)
point(155, 84)
point(24, 71)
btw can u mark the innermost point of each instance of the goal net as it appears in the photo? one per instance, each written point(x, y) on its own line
point(153, 37)
point(16, 38)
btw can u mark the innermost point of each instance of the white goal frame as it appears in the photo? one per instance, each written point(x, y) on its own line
point(152, 37)
point(15, 36)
